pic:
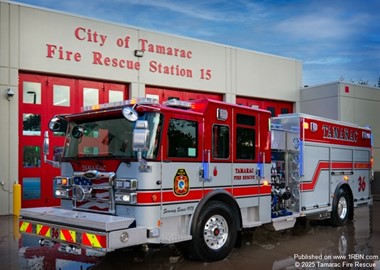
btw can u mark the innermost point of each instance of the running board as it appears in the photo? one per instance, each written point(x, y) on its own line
point(252, 224)
point(175, 239)
point(286, 222)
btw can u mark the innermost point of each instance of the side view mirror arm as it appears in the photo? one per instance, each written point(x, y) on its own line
point(55, 164)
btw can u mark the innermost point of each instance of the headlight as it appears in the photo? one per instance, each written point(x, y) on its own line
point(123, 197)
point(62, 193)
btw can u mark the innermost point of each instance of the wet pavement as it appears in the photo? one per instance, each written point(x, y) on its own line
point(309, 245)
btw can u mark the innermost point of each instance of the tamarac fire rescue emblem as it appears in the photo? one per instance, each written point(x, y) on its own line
point(181, 183)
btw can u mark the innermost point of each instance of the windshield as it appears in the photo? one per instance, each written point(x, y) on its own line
point(110, 137)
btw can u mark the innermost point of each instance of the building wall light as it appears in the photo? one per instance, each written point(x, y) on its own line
point(10, 93)
point(139, 53)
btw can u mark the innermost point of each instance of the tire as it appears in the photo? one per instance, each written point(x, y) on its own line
point(341, 209)
point(214, 233)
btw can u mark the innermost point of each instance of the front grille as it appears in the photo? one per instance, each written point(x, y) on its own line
point(93, 191)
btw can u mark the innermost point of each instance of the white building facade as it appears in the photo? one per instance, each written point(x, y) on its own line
point(52, 63)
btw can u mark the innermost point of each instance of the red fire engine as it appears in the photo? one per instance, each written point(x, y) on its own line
point(138, 172)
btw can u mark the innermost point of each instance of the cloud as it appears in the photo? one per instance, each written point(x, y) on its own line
point(332, 38)
point(212, 10)
point(190, 9)
point(328, 61)
point(323, 26)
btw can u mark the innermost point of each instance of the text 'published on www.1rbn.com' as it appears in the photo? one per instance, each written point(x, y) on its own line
point(303, 261)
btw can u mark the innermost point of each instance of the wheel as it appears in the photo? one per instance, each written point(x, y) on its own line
point(214, 233)
point(341, 209)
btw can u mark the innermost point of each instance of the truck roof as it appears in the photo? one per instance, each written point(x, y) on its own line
point(198, 106)
point(319, 118)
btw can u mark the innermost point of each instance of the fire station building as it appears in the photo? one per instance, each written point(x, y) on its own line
point(53, 63)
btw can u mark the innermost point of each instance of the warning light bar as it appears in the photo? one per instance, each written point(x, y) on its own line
point(129, 102)
point(178, 104)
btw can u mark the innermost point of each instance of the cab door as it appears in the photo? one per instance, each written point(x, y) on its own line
point(247, 156)
point(219, 147)
point(182, 156)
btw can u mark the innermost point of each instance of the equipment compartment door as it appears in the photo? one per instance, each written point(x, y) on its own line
point(362, 173)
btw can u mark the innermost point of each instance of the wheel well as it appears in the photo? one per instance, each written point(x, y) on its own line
point(222, 196)
point(348, 190)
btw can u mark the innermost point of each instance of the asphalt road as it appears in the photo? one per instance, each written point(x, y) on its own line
point(309, 245)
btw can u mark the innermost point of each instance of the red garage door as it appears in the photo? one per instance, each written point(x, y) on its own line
point(163, 94)
point(274, 106)
point(40, 98)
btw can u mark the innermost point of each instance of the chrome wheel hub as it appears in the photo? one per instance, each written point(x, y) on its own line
point(215, 232)
point(342, 208)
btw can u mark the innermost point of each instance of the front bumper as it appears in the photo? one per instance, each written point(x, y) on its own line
point(82, 229)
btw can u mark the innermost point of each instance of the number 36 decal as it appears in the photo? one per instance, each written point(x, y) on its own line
point(362, 183)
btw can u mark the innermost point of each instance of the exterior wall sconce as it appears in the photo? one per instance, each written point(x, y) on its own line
point(139, 53)
point(10, 94)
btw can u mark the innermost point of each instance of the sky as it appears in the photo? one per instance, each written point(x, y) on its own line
point(336, 40)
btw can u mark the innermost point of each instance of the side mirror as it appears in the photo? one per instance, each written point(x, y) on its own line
point(46, 151)
point(77, 132)
point(140, 136)
point(130, 114)
point(57, 124)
